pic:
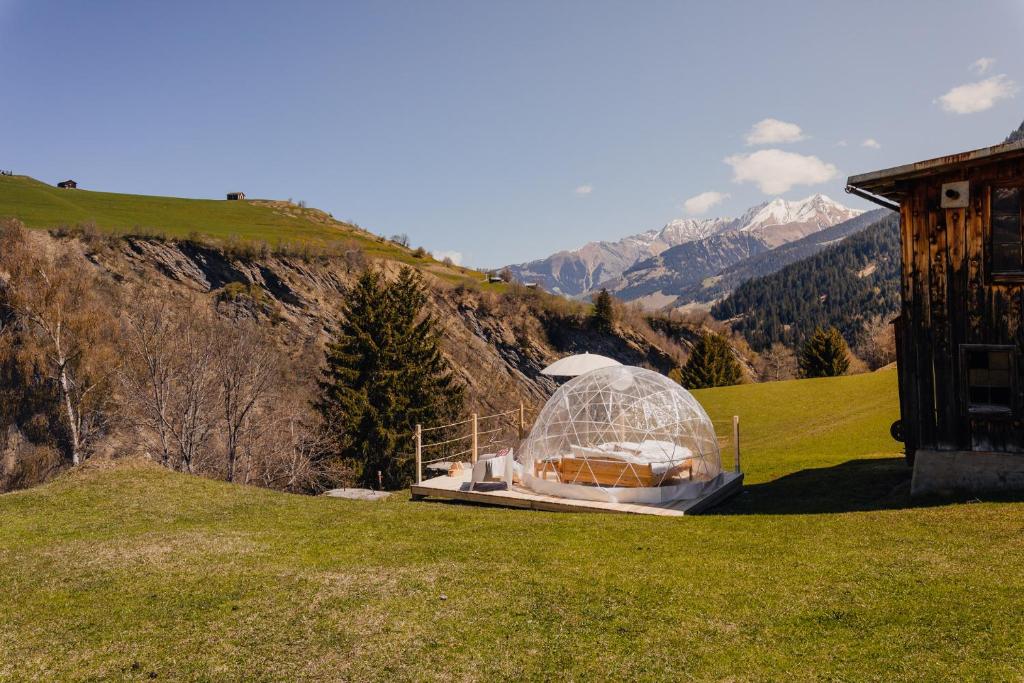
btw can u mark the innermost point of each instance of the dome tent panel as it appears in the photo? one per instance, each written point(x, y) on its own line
point(622, 434)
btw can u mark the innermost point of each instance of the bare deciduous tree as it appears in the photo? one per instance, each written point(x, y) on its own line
point(777, 363)
point(248, 370)
point(878, 346)
point(217, 396)
point(149, 373)
point(66, 331)
point(170, 377)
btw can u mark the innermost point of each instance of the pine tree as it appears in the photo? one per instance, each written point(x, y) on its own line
point(712, 364)
point(824, 354)
point(385, 373)
point(604, 313)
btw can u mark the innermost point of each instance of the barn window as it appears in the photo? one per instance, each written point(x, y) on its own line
point(990, 378)
point(1007, 238)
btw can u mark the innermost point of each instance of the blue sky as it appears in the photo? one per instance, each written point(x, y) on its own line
point(500, 130)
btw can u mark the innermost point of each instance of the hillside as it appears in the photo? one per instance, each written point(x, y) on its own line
point(844, 285)
point(277, 224)
point(657, 281)
point(820, 570)
point(725, 281)
point(497, 338)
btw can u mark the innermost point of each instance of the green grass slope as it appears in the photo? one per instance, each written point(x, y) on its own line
point(39, 205)
point(132, 572)
point(275, 223)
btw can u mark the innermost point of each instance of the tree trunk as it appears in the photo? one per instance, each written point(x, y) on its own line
point(76, 443)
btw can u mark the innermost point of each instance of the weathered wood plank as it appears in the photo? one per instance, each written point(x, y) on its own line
point(456, 488)
point(950, 298)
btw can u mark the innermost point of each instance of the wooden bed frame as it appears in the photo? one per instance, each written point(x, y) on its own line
point(606, 472)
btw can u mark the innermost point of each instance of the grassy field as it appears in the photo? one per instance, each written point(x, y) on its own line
point(43, 206)
point(39, 205)
point(821, 570)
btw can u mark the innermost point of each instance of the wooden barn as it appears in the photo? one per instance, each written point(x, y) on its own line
point(67, 184)
point(959, 333)
point(236, 196)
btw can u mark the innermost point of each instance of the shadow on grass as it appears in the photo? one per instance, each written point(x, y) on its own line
point(863, 484)
point(855, 485)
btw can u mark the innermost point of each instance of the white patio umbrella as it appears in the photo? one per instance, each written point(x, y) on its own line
point(571, 366)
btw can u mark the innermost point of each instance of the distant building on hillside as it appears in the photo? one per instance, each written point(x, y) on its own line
point(960, 332)
point(235, 196)
point(67, 184)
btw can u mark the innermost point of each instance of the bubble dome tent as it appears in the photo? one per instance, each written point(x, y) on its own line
point(622, 434)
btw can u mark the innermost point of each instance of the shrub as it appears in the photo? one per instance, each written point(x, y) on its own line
point(824, 355)
point(712, 364)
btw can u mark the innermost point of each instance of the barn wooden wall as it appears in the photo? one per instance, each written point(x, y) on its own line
point(949, 299)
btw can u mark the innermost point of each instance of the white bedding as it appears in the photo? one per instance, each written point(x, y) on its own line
point(646, 452)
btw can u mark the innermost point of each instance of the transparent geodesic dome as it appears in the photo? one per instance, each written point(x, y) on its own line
point(623, 434)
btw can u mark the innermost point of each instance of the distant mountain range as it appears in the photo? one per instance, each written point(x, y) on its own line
point(579, 271)
point(716, 286)
point(658, 265)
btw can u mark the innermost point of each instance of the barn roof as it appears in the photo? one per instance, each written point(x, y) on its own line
point(884, 183)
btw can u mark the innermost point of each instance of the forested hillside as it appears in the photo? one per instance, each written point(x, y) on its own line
point(844, 285)
point(764, 263)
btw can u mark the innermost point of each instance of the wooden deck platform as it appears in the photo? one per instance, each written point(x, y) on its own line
point(458, 488)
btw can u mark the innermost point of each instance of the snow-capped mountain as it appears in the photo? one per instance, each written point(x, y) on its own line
point(662, 279)
point(780, 221)
point(579, 271)
point(767, 225)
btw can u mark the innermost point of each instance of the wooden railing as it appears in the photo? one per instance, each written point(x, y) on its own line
point(507, 422)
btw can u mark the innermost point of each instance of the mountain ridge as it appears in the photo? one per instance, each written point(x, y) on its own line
point(577, 272)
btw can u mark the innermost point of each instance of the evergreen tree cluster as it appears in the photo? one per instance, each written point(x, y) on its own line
point(824, 354)
point(833, 288)
point(385, 373)
point(712, 364)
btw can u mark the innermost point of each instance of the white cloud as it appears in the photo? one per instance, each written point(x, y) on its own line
point(584, 190)
point(842, 143)
point(982, 65)
point(455, 256)
point(776, 171)
point(773, 132)
point(978, 96)
point(871, 143)
point(700, 203)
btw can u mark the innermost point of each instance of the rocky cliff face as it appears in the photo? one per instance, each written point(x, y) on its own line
point(498, 344)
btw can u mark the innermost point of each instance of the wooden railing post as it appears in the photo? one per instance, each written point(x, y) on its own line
point(419, 454)
point(736, 441)
point(522, 421)
point(473, 452)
